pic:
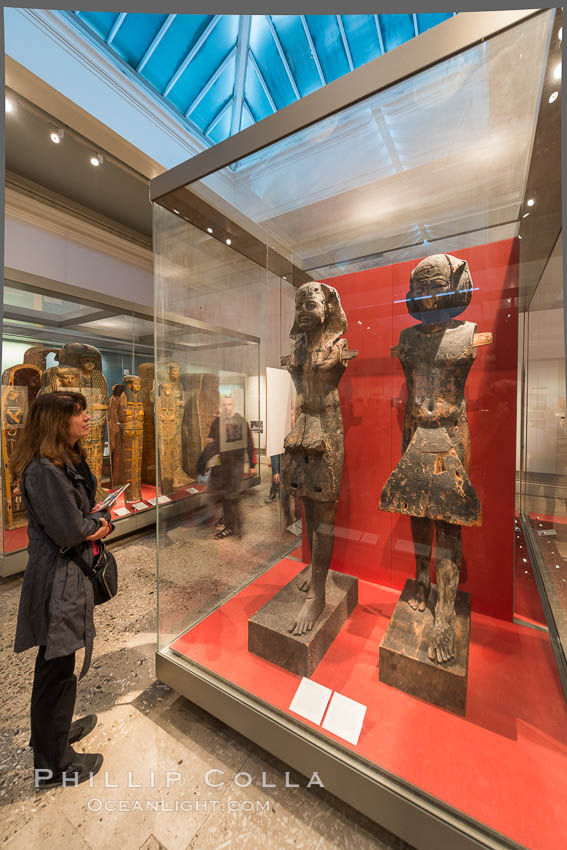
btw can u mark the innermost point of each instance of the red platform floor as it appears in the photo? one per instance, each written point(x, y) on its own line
point(504, 764)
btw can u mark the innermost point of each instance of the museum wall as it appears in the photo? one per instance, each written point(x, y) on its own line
point(377, 546)
point(69, 261)
point(546, 393)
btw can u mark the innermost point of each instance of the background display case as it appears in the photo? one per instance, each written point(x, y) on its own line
point(41, 316)
point(437, 148)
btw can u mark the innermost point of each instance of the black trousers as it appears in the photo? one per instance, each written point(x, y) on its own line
point(52, 705)
point(232, 471)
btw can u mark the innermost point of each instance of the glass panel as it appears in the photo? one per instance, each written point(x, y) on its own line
point(211, 304)
point(436, 130)
point(544, 504)
point(42, 303)
point(401, 458)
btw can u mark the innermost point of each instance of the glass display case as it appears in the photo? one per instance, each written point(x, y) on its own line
point(49, 330)
point(392, 241)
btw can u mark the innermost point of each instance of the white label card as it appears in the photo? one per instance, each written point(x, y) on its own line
point(139, 506)
point(345, 718)
point(192, 490)
point(122, 512)
point(163, 500)
point(151, 502)
point(310, 700)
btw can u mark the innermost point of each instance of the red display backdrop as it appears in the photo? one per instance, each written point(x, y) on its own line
point(377, 546)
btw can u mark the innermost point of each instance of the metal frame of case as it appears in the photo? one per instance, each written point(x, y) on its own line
point(415, 816)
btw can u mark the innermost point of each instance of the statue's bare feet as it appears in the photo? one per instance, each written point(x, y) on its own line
point(442, 646)
point(419, 600)
point(304, 580)
point(308, 616)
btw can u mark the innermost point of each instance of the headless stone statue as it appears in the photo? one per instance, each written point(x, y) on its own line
point(131, 425)
point(202, 403)
point(312, 464)
point(37, 355)
point(431, 482)
point(88, 360)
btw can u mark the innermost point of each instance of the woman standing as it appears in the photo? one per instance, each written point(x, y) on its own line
point(56, 603)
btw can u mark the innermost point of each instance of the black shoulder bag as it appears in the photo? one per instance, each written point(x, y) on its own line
point(103, 574)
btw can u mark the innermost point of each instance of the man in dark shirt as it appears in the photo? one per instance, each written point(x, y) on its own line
point(230, 432)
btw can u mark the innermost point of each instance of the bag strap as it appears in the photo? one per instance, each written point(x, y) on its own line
point(69, 551)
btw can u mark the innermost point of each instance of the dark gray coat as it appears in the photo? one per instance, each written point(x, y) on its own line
point(56, 602)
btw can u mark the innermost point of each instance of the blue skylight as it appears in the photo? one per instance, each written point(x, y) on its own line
point(192, 60)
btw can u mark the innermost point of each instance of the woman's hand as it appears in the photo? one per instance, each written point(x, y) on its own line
point(101, 532)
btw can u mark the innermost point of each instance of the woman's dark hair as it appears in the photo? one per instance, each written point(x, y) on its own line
point(46, 430)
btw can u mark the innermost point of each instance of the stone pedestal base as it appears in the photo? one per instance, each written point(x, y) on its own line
point(267, 629)
point(403, 659)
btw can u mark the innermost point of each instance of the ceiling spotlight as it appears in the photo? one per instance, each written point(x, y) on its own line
point(10, 106)
point(176, 212)
point(553, 96)
point(560, 34)
point(96, 160)
point(228, 241)
point(56, 136)
point(209, 229)
point(284, 277)
point(525, 215)
point(557, 71)
point(531, 202)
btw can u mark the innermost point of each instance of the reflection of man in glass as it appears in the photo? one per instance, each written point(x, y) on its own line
point(231, 433)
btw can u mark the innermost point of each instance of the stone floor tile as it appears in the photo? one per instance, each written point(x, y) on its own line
point(47, 832)
point(256, 817)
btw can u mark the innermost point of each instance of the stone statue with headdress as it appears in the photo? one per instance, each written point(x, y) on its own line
point(312, 464)
point(431, 483)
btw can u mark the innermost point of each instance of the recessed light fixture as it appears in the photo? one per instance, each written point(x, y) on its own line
point(553, 96)
point(228, 241)
point(525, 215)
point(531, 202)
point(560, 34)
point(176, 212)
point(557, 71)
point(10, 106)
point(96, 160)
point(209, 229)
point(56, 136)
point(284, 277)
